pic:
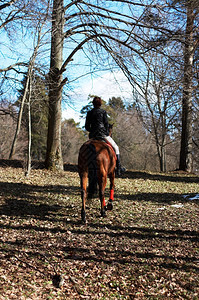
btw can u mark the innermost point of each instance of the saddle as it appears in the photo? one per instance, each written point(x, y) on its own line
point(107, 142)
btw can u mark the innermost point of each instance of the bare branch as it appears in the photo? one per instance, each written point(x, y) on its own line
point(7, 4)
point(12, 67)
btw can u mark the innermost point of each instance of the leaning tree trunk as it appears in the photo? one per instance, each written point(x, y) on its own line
point(17, 131)
point(27, 85)
point(186, 135)
point(53, 155)
point(28, 167)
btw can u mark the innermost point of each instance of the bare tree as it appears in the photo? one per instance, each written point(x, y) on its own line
point(72, 139)
point(27, 88)
point(170, 14)
point(53, 154)
point(28, 167)
point(136, 145)
point(109, 34)
point(94, 29)
point(7, 125)
point(161, 98)
point(186, 159)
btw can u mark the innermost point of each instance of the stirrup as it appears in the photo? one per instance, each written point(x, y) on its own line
point(120, 171)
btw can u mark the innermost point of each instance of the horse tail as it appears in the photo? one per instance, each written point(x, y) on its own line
point(92, 171)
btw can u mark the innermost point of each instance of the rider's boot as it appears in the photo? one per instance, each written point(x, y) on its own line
point(119, 169)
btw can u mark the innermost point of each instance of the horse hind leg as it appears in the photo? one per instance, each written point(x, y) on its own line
point(83, 212)
point(111, 196)
point(102, 185)
point(84, 180)
point(92, 187)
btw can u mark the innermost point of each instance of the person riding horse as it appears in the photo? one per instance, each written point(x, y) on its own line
point(98, 127)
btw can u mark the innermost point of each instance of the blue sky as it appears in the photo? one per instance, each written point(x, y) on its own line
point(106, 85)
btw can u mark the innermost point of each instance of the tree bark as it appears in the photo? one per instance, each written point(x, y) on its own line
point(53, 155)
point(14, 143)
point(28, 167)
point(186, 135)
point(27, 86)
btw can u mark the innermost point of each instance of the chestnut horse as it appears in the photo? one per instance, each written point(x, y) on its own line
point(96, 162)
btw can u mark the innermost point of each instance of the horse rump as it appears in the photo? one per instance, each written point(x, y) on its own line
point(87, 164)
point(96, 162)
point(92, 183)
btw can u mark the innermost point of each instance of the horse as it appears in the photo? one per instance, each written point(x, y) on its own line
point(96, 162)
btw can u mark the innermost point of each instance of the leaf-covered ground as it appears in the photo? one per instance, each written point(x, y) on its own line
point(146, 248)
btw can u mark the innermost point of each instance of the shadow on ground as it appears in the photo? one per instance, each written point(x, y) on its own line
point(164, 198)
point(172, 176)
point(175, 176)
point(35, 165)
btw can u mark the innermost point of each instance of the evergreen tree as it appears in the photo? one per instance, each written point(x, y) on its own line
point(39, 116)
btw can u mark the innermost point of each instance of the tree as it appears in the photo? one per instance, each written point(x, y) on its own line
point(105, 35)
point(116, 103)
point(28, 86)
point(161, 96)
point(136, 145)
point(170, 15)
point(53, 154)
point(184, 35)
point(196, 113)
point(101, 30)
point(7, 130)
point(39, 115)
point(186, 159)
point(72, 138)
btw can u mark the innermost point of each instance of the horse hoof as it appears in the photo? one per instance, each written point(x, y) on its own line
point(103, 213)
point(110, 206)
point(83, 215)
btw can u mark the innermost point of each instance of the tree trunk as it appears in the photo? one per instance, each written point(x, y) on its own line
point(28, 81)
point(28, 167)
point(186, 135)
point(14, 143)
point(53, 155)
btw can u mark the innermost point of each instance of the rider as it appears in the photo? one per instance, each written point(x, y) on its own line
point(98, 127)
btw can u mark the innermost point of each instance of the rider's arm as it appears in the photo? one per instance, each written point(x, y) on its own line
point(105, 120)
point(88, 123)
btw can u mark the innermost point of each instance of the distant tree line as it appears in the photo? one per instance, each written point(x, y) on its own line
point(137, 146)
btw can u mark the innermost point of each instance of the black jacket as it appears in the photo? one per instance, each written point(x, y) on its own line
point(97, 123)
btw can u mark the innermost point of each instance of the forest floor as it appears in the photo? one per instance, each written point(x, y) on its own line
point(145, 248)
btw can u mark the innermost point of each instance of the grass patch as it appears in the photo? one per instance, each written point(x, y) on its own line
point(146, 248)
